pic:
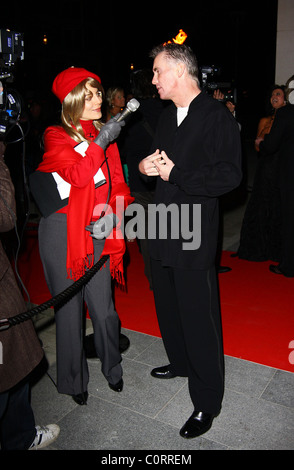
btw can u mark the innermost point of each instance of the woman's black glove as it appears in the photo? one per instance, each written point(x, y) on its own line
point(109, 132)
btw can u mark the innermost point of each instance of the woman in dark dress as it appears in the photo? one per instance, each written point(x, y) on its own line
point(260, 238)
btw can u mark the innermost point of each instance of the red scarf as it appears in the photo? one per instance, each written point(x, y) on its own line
point(80, 250)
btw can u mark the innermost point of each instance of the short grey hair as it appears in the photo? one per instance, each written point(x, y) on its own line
point(179, 53)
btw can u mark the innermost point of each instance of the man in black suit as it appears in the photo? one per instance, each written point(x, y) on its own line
point(281, 140)
point(196, 157)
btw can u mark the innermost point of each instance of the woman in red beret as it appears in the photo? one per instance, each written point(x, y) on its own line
point(81, 155)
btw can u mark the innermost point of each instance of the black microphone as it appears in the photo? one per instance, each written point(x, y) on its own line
point(131, 107)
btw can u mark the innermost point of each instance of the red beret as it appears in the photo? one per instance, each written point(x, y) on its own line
point(67, 80)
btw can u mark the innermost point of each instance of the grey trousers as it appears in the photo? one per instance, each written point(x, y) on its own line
point(72, 369)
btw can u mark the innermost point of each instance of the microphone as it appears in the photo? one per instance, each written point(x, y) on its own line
point(131, 107)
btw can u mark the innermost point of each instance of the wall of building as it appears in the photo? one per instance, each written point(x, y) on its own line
point(285, 41)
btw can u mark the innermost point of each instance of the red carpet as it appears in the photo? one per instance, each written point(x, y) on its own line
point(257, 306)
point(257, 313)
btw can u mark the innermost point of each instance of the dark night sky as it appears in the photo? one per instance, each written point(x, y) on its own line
point(238, 36)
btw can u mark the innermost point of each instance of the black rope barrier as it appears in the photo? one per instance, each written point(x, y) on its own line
point(58, 300)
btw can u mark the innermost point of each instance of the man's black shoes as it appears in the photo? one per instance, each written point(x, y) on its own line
point(117, 387)
point(163, 372)
point(197, 424)
point(80, 398)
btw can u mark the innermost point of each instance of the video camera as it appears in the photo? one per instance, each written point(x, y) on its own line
point(208, 72)
point(11, 50)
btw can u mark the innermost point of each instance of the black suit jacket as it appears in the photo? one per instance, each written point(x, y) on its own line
point(281, 140)
point(206, 151)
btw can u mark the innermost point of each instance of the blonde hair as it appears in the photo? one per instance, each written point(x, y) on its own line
point(110, 95)
point(73, 107)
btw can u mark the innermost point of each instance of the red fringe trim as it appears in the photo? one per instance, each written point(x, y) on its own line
point(80, 267)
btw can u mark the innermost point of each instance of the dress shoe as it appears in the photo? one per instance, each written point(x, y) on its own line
point(197, 424)
point(223, 269)
point(117, 387)
point(80, 398)
point(124, 343)
point(276, 270)
point(163, 372)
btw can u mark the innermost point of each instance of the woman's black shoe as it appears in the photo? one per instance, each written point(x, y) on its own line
point(80, 398)
point(276, 270)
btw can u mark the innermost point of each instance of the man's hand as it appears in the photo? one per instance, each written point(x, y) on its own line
point(218, 95)
point(164, 166)
point(147, 166)
point(156, 164)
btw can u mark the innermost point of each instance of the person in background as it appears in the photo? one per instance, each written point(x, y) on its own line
point(277, 101)
point(115, 101)
point(280, 140)
point(196, 156)
point(220, 96)
point(137, 141)
point(20, 348)
point(260, 237)
point(67, 249)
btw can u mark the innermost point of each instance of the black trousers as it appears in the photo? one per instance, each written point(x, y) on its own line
point(187, 306)
point(17, 422)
